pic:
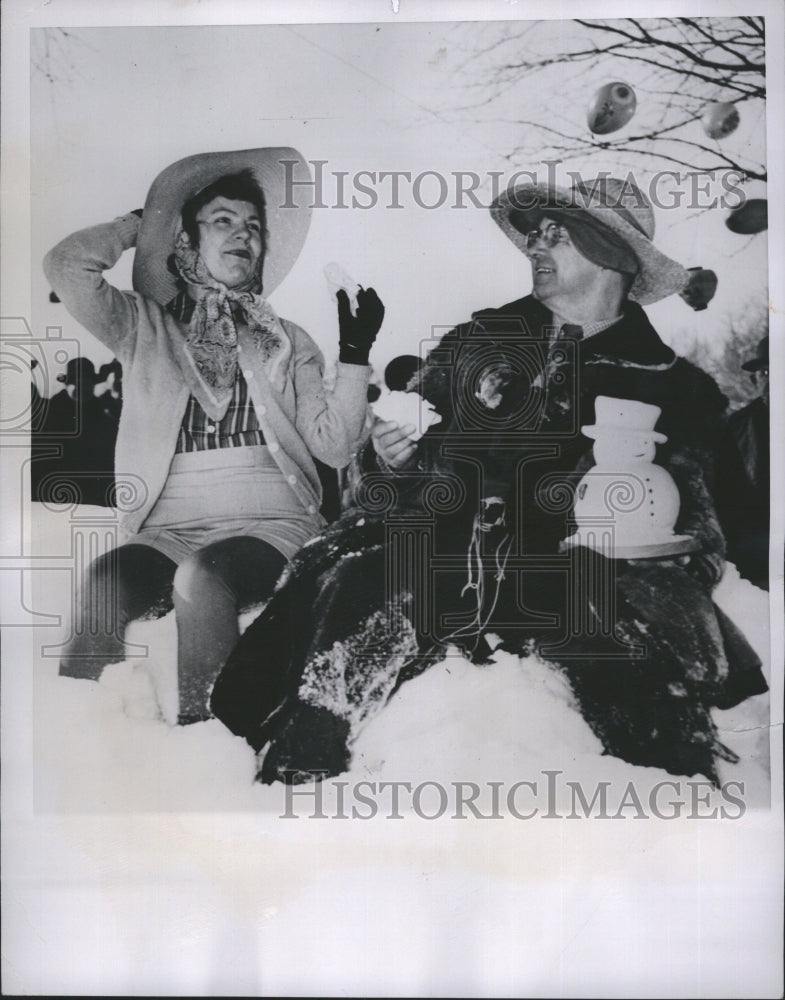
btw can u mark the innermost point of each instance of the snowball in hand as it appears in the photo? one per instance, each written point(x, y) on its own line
point(406, 408)
point(338, 279)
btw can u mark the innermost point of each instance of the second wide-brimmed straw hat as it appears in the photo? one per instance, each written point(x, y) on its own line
point(283, 175)
point(618, 204)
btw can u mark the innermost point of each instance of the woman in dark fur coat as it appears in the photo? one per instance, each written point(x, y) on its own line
point(457, 536)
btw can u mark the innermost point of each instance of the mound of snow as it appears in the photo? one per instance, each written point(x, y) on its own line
point(113, 745)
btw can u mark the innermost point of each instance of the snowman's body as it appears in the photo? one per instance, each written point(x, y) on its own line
point(626, 506)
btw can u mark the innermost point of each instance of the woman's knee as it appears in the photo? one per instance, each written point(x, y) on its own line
point(136, 576)
point(243, 569)
point(197, 575)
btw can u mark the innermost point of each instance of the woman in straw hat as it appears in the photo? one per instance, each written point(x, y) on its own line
point(224, 405)
point(482, 502)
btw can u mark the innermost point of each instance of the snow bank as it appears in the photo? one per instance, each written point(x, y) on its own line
point(142, 858)
point(113, 745)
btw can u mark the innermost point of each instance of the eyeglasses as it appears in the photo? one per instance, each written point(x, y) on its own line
point(552, 234)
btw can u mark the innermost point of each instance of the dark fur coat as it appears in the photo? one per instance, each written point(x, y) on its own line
point(467, 544)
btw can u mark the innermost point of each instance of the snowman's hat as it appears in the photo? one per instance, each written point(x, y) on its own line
point(624, 416)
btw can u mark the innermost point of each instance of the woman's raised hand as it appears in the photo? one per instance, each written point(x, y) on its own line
point(357, 333)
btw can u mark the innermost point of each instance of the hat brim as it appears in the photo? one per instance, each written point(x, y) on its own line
point(658, 277)
point(592, 430)
point(283, 175)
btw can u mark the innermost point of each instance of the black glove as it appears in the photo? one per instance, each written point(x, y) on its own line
point(357, 333)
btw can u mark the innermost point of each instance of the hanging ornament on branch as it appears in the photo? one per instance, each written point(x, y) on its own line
point(749, 218)
point(612, 107)
point(720, 119)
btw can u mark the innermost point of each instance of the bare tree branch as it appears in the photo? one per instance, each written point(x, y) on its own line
point(681, 66)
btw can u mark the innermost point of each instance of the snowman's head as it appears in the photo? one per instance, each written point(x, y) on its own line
point(623, 431)
point(620, 447)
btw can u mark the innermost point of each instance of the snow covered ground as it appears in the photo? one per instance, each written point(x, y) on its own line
point(148, 861)
point(113, 746)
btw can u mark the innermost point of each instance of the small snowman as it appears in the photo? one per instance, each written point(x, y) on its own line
point(626, 506)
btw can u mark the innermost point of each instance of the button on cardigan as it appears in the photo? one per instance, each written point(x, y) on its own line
point(304, 419)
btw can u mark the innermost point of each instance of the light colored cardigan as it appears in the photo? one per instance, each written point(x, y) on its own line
point(301, 421)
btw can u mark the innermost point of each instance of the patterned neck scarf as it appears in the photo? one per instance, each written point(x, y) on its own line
point(212, 333)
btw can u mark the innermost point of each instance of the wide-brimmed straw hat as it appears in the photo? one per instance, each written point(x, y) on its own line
point(618, 204)
point(284, 177)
